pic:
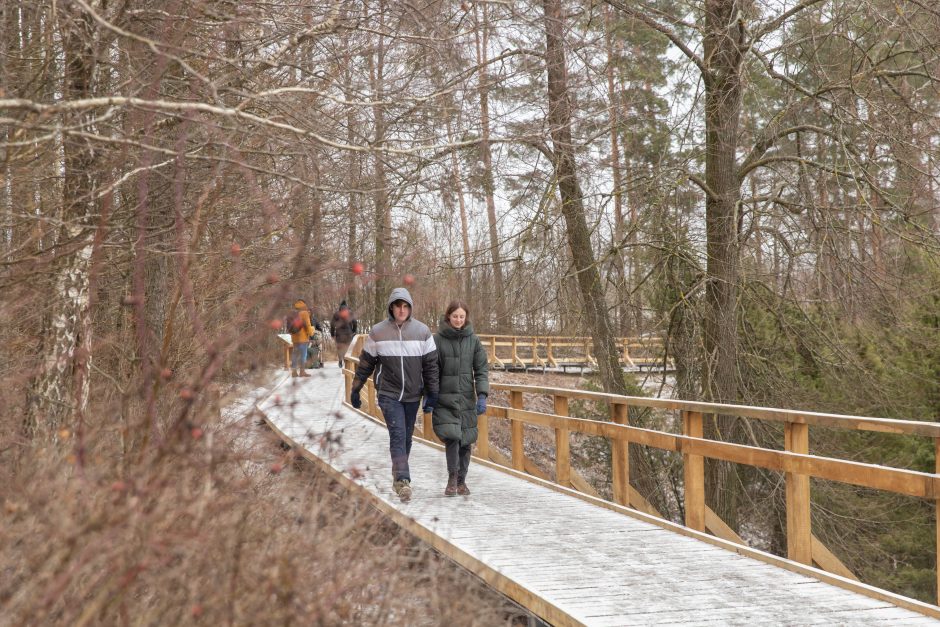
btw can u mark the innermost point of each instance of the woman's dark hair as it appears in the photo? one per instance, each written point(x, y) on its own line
point(454, 306)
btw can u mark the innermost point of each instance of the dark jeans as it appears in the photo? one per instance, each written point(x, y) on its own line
point(400, 419)
point(298, 356)
point(458, 458)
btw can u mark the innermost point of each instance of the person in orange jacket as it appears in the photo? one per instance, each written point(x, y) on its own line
point(300, 340)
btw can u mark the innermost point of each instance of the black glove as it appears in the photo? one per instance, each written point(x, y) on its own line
point(354, 399)
point(430, 402)
point(481, 404)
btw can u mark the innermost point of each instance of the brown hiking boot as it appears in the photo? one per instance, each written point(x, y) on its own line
point(303, 373)
point(451, 489)
point(293, 373)
point(403, 490)
point(462, 488)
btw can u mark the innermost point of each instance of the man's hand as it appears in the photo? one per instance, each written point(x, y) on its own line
point(481, 404)
point(354, 399)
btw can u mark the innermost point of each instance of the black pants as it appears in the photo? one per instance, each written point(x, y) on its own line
point(458, 458)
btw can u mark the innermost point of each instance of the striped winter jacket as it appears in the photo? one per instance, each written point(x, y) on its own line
point(404, 360)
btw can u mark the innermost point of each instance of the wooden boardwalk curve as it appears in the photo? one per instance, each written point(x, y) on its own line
point(567, 560)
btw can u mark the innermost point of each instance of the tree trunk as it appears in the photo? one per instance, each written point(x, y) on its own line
point(382, 215)
point(464, 233)
point(58, 394)
point(572, 203)
point(613, 98)
point(353, 176)
point(722, 49)
point(482, 41)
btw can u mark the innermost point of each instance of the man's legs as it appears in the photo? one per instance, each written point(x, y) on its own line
point(341, 349)
point(411, 415)
point(400, 419)
point(398, 436)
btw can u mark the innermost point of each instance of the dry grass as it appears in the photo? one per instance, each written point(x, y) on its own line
point(219, 525)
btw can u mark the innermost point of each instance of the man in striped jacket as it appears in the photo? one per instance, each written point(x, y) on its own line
point(401, 353)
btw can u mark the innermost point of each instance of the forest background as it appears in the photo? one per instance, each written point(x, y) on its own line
point(756, 181)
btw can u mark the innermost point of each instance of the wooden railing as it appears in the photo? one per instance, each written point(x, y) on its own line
point(795, 461)
point(544, 351)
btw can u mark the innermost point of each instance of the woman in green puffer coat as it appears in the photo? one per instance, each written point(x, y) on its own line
point(464, 373)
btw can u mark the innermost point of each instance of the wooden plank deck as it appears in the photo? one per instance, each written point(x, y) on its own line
point(568, 561)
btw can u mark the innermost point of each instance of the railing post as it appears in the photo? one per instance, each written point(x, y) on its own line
point(347, 379)
point(550, 358)
point(518, 449)
point(483, 436)
point(694, 469)
point(620, 458)
point(799, 524)
point(427, 426)
point(492, 350)
point(562, 445)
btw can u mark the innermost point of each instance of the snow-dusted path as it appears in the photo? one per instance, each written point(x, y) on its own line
point(567, 560)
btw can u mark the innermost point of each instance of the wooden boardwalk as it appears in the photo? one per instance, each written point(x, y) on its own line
point(568, 561)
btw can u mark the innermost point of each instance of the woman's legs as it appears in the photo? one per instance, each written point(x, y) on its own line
point(452, 455)
point(463, 467)
point(298, 358)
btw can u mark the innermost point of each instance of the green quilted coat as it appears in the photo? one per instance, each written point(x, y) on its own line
point(464, 371)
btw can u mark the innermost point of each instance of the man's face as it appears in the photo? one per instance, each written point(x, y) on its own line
point(401, 310)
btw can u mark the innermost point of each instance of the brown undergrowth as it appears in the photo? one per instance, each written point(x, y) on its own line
point(216, 525)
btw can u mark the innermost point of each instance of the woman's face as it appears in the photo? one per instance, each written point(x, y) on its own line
point(457, 318)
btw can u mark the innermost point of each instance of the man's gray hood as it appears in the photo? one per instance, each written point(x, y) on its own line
point(399, 293)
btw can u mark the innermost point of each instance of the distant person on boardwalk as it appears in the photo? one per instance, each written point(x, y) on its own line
point(316, 343)
point(403, 351)
point(343, 328)
point(301, 330)
point(463, 391)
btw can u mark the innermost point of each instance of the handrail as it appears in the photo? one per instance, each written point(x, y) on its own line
point(794, 460)
point(839, 421)
point(552, 351)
